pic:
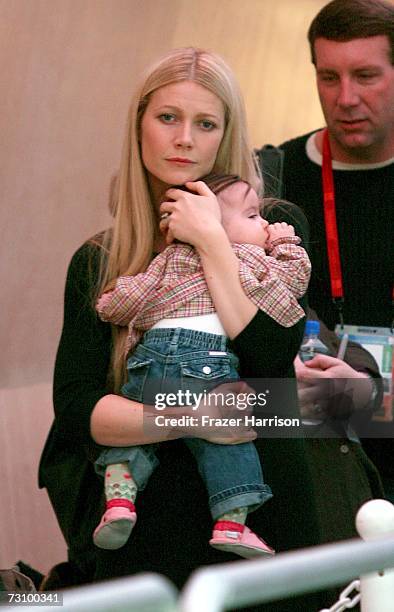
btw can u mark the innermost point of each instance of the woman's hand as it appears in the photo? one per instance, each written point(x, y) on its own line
point(225, 402)
point(118, 421)
point(218, 416)
point(190, 215)
point(329, 385)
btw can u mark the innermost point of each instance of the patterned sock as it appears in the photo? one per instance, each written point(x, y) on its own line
point(238, 515)
point(118, 520)
point(118, 483)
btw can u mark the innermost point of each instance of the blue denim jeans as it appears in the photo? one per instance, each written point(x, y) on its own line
point(165, 361)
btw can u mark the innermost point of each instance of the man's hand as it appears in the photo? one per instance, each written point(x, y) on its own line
point(324, 383)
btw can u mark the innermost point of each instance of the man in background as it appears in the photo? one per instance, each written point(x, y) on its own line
point(344, 173)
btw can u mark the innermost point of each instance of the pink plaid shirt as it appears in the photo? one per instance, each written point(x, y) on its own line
point(174, 286)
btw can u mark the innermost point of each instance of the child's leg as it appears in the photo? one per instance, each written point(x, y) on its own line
point(234, 481)
point(119, 518)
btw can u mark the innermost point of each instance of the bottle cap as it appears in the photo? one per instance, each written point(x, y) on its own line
point(312, 327)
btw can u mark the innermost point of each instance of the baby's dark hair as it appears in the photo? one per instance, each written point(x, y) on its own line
point(220, 182)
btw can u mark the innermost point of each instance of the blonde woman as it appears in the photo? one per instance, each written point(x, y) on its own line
point(186, 119)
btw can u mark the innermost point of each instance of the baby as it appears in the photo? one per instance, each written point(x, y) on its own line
point(176, 341)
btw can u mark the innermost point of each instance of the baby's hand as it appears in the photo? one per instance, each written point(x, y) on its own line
point(280, 230)
point(103, 301)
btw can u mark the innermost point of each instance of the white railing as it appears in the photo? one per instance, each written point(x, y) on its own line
point(243, 583)
point(143, 593)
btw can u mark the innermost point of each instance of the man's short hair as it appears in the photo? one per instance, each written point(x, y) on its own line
point(344, 20)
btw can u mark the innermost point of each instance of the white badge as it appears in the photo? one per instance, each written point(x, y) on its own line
point(379, 341)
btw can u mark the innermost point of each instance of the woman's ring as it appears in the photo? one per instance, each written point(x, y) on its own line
point(164, 215)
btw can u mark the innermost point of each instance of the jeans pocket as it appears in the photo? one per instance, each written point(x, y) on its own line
point(205, 373)
point(137, 372)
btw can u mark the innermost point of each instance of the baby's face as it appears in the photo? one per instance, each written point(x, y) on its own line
point(241, 215)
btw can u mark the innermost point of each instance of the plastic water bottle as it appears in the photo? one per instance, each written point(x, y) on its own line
point(311, 343)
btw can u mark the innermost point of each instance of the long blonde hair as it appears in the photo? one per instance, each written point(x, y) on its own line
point(128, 245)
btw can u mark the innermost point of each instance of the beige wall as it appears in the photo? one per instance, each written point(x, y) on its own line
point(66, 71)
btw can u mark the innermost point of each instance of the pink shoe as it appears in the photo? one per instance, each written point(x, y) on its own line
point(116, 525)
point(240, 540)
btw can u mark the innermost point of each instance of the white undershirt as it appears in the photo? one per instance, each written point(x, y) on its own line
point(208, 323)
point(314, 155)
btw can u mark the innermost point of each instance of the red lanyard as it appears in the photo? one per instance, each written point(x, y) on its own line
point(330, 219)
